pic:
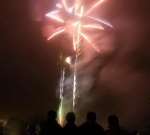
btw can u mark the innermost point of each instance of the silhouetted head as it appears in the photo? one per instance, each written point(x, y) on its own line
point(113, 121)
point(91, 116)
point(52, 115)
point(70, 117)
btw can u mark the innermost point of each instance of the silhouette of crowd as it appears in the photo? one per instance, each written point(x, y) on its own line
point(90, 126)
point(50, 126)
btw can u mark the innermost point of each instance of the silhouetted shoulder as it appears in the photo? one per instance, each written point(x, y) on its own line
point(70, 127)
point(117, 132)
point(50, 126)
point(91, 126)
point(114, 127)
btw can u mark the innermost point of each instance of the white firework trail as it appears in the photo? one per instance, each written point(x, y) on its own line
point(61, 90)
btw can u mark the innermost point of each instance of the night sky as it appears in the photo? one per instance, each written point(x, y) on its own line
point(29, 71)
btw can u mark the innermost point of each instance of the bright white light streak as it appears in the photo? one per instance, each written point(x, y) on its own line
point(89, 41)
point(75, 82)
point(101, 21)
point(60, 31)
point(64, 2)
point(94, 6)
point(54, 15)
point(60, 111)
point(77, 7)
point(74, 41)
point(80, 14)
point(86, 38)
point(93, 26)
point(81, 11)
point(78, 34)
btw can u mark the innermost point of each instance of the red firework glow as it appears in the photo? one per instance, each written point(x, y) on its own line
point(73, 18)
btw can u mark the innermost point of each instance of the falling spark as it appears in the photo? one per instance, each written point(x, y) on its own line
point(58, 32)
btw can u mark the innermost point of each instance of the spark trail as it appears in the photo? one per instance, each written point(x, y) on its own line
point(61, 90)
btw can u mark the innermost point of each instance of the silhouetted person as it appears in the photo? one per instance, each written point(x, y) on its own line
point(51, 126)
point(1, 129)
point(70, 127)
point(91, 126)
point(145, 130)
point(31, 130)
point(114, 127)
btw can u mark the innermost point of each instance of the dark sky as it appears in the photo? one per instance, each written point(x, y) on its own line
point(28, 64)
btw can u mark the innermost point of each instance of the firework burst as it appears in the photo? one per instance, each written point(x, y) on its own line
point(73, 18)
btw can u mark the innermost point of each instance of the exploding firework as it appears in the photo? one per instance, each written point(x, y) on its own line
point(73, 18)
